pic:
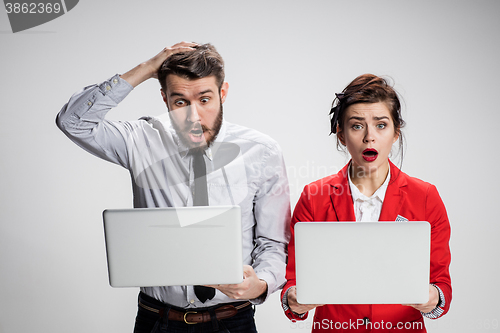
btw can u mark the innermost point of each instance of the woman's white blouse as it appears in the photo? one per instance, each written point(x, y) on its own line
point(367, 209)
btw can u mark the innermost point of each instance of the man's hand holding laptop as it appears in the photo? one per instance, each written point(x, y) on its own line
point(251, 287)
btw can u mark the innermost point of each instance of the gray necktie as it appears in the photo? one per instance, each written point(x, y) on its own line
point(200, 180)
point(201, 199)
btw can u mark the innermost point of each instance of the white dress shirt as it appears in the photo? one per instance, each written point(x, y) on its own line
point(162, 176)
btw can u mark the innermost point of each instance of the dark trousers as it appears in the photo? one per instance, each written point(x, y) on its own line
point(150, 322)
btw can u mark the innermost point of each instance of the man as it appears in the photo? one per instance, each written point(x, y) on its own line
point(243, 167)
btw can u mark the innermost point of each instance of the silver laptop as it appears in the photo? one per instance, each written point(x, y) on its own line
point(149, 247)
point(362, 262)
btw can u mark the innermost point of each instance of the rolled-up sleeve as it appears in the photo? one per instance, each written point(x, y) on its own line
point(272, 215)
point(82, 120)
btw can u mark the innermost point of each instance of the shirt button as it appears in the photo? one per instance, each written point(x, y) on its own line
point(89, 103)
point(115, 81)
point(192, 301)
point(108, 88)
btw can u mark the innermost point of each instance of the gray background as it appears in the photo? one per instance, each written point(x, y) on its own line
point(285, 60)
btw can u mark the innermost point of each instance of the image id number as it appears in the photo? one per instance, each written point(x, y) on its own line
point(32, 8)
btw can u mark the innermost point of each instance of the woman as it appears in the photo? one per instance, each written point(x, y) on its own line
point(367, 121)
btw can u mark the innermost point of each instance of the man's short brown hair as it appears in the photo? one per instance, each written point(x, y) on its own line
point(202, 62)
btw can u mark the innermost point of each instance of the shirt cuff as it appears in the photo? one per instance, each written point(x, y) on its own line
point(439, 309)
point(284, 304)
point(268, 278)
point(116, 88)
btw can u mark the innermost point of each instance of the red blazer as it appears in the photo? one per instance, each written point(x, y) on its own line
point(329, 199)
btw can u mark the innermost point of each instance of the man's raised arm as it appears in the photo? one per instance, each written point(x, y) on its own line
point(82, 119)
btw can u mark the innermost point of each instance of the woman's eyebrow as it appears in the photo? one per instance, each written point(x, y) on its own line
point(356, 118)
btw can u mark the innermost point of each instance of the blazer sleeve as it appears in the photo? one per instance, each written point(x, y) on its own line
point(303, 212)
point(440, 250)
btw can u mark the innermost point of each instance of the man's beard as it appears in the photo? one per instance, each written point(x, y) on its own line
point(213, 132)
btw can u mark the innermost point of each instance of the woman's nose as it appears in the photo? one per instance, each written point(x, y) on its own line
point(369, 135)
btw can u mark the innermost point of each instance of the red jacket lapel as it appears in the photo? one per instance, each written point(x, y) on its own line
point(395, 195)
point(341, 197)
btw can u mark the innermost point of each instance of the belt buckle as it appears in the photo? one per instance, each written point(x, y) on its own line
point(185, 317)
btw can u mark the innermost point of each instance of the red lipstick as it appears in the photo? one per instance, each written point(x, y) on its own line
point(370, 154)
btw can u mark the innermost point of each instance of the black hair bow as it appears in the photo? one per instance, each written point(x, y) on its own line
point(335, 110)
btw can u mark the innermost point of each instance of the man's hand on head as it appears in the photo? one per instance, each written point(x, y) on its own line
point(251, 287)
point(155, 62)
point(149, 69)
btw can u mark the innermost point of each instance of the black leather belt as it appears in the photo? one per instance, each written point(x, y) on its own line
point(195, 317)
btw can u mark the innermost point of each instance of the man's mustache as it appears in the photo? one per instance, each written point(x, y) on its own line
point(199, 127)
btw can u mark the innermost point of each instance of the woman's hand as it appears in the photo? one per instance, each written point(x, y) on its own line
point(296, 306)
point(431, 304)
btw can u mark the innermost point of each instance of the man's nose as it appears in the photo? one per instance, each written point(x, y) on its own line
point(192, 114)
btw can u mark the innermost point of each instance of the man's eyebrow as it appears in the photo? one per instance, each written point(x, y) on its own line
point(177, 94)
point(206, 92)
point(173, 93)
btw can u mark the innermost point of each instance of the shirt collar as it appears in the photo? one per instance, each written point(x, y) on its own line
point(379, 193)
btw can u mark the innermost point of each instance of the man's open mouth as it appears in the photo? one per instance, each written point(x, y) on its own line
point(196, 135)
point(196, 132)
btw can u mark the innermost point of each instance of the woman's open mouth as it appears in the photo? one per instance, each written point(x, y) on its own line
point(370, 154)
